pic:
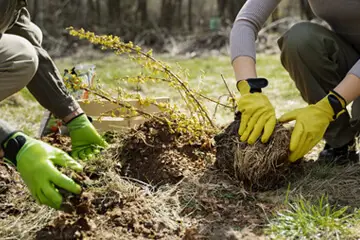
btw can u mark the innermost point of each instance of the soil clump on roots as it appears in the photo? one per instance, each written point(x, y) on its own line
point(259, 166)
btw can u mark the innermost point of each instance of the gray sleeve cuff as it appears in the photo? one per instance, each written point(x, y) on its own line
point(5, 130)
point(242, 40)
point(355, 69)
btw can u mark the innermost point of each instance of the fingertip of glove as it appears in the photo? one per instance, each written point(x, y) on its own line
point(283, 119)
point(57, 205)
point(78, 168)
point(105, 144)
point(78, 189)
point(293, 158)
point(251, 141)
point(264, 140)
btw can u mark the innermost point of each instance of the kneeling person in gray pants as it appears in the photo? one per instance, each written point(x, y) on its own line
point(24, 63)
point(325, 66)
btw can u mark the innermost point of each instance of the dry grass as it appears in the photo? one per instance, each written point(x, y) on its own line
point(340, 183)
point(208, 205)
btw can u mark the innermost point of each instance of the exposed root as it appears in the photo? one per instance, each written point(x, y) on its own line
point(259, 166)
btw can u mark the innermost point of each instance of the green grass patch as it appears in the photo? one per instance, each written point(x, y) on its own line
point(302, 219)
point(203, 74)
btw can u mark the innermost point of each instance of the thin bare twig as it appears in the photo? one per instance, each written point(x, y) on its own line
point(196, 93)
point(177, 78)
point(227, 87)
point(123, 105)
point(216, 107)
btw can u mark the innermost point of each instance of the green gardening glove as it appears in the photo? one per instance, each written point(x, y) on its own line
point(312, 122)
point(35, 160)
point(257, 113)
point(85, 140)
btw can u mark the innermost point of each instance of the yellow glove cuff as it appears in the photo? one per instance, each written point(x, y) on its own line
point(251, 85)
point(334, 104)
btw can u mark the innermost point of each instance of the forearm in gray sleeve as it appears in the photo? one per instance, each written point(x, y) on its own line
point(49, 89)
point(47, 85)
point(248, 23)
point(5, 130)
point(242, 41)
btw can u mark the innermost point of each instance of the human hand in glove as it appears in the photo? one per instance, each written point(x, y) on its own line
point(257, 114)
point(85, 140)
point(35, 160)
point(312, 122)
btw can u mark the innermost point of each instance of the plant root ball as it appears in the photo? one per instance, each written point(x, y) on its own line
point(259, 166)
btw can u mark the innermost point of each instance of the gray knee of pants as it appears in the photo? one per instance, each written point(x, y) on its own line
point(303, 48)
point(317, 59)
point(298, 39)
point(18, 64)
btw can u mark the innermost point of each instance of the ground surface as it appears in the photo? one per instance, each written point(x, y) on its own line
point(153, 185)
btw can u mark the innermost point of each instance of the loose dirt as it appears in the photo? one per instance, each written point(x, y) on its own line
point(155, 155)
point(154, 184)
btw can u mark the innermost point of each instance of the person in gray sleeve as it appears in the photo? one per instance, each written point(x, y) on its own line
point(324, 64)
point(24, 63)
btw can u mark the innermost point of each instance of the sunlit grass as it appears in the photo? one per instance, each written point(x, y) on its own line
point(302, 219)
point(205, 74)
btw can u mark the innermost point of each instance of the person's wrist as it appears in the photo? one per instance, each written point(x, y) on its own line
point(334, 104)
point(251, 85)
point(12, 145)
point(73, 115)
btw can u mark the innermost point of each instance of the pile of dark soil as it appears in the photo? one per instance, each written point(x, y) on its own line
point(119, 200)
point(109, 207)
point(109, 214)
point(58, 141)
point(154, 154)
point(8, 186)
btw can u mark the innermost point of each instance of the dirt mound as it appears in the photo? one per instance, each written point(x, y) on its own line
point(108, 215)
point(259, 166)
point(109, 208)
point(206, 204)
point(9, 187)
point(59, 141)
point(154, 154)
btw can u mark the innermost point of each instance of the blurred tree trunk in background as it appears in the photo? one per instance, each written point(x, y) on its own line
point(114, 12)
point(129, 19)
point(167, 13)
point(306, 11)
point(143, 11)
point(233, 8)
point(190, 18)
point(178, 14)
point(229, 9)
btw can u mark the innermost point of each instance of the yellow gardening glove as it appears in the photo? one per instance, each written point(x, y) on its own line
point(257, 113)
point(312, 122)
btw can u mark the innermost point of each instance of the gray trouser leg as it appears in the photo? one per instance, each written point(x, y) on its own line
point(47, 85)
point(317, 60)
point(18, 64)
